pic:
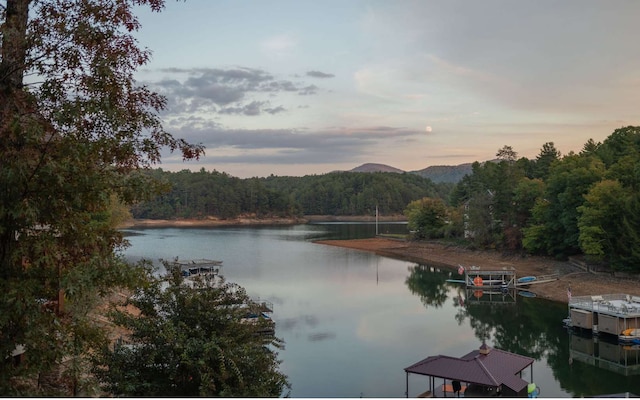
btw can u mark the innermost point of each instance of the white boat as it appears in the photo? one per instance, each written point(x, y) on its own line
point(629, 335)
point(527, 279)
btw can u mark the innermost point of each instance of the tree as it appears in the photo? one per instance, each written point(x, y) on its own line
point(600, 218)
point(609, 224)
point(71, 137)
point(554, 228)
point(506, 153)
point(191, 341)
point(548, 154)
point(426, 217)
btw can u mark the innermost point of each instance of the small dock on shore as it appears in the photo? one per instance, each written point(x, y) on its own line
point(477, 278)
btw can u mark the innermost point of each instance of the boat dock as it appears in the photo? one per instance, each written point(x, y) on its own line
point(485, 372)
point(613, 314)
point(200, 266)
point(477, 278)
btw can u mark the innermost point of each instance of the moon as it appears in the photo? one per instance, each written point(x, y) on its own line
point(428, 129)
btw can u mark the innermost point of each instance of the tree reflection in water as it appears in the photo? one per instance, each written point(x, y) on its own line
point(429, 283)
point(527, 326)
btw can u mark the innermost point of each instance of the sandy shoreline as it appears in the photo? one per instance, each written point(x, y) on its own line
point(207, 222)
point(250, 220)
point(582, 283)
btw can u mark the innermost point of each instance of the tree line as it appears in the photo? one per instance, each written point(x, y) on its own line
point(585, 203)
point(200, 194)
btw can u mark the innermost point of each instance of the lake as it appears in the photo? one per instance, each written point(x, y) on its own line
point(352, 321)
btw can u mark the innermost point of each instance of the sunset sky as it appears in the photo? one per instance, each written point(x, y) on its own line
point(308, 87)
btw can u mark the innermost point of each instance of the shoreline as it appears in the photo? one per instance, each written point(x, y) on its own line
point(582, 283)
point(251, 220)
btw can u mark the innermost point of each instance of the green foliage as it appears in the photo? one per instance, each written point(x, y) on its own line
point(201, 194)
point(578, 203)
point(191, 341)
point(426, 218)
point(608, 225)
point(569, 180)
point(69, 142)
point(548, 155)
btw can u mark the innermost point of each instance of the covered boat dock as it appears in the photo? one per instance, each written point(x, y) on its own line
point(485, 372)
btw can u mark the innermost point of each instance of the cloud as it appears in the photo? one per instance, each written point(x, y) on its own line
point(233, 91)
point(318, 74)
point(275, 110)
point(253, 108)
point(308, 90)
point(288, 146)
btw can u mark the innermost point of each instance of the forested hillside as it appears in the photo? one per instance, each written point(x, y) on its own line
point(200, 194)
point(586, 203)
point(354, 193)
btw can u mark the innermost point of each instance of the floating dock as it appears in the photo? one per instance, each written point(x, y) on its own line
point(475, 277)
point(200, 266)
point(505, 278)
point(613, 314)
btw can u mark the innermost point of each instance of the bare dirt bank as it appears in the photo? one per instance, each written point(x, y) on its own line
point(208, 222)
point(251, 220)
point(582, 283)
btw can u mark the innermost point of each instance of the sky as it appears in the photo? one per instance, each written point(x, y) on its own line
point(302, 87)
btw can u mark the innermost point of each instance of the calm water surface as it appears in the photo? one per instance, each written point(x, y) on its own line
point(352, 320)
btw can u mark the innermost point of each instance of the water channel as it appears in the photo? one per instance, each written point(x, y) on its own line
point(352, 320)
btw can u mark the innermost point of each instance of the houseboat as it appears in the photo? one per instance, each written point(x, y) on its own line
point(612, 314)
point(202, 269)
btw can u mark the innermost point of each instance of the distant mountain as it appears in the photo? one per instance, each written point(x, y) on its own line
point(376, 168)
point(437, 173)
point(445, 173)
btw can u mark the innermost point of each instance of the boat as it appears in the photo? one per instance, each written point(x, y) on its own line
point(617, 315)
point(262, 319)
point(526, 293)
point(527, 279)
point(629, 335)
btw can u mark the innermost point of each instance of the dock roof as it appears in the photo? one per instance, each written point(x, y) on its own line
point(486, 366)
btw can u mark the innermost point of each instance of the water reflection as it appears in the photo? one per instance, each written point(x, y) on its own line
point(584, 366)
point(620, 358)
point(428, 283)
point(352, 320)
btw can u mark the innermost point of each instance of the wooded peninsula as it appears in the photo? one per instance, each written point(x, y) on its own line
point(584, 204)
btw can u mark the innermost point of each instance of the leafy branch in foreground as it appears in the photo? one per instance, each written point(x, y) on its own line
point(72, 137)
point(191, 341)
